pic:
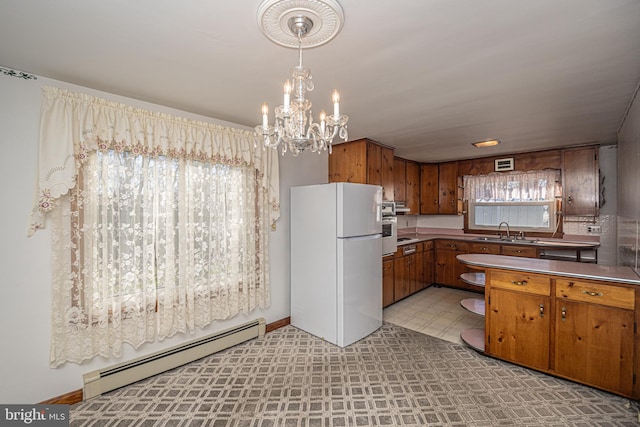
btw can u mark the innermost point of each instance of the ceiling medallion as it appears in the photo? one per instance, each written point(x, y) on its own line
point(326, 16)
point(301, 24)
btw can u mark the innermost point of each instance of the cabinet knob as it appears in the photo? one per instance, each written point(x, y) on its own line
point(569, 199)
point(541, 310)
point(564, 314)
point(519, 282)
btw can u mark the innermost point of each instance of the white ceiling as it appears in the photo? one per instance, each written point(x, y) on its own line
point(427, 77)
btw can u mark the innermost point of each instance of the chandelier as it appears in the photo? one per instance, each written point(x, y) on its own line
point(292, 23)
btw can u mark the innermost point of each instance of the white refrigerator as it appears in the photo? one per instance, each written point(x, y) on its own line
point(336, 260)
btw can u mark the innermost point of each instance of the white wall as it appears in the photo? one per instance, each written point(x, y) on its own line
point(25, 262)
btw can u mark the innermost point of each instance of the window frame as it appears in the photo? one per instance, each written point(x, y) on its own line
point(555, 214)
point(512, 227)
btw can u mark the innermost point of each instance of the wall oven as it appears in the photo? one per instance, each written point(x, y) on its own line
point(389, 228)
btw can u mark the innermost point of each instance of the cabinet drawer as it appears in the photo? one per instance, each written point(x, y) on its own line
point(523, 251)
point(452, 245)
point(521, 282)
point(408, 250)
point(484, 248)
point(428, 245)
point(596, 293)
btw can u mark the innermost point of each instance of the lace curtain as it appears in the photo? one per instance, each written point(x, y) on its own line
point(534, 186)
point(159, 224)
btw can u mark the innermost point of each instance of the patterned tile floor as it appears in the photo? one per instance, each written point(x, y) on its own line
point(393, 377)
point(435, 311)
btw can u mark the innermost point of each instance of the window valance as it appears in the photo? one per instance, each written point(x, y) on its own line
point(542, 185)
point(74, 124)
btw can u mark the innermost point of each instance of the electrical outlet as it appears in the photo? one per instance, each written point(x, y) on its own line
point(594, 229)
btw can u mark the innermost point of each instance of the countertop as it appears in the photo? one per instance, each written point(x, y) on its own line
point(605, 273)
point(548, 243)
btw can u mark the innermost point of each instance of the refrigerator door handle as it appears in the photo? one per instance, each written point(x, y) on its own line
point(368, 236)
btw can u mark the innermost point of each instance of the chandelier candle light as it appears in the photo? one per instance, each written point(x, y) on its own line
point(286, 22)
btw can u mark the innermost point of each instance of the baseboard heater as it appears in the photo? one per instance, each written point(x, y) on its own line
point(104, 380)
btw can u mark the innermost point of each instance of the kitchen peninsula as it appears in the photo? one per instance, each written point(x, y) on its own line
point(573, 320)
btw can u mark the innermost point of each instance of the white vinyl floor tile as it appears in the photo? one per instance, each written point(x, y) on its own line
point(435, 311)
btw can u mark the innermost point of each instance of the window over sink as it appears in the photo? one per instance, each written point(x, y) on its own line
point(527, 201)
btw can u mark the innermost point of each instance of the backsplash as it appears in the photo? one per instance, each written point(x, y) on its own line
point(629, 188)
point(576, 227)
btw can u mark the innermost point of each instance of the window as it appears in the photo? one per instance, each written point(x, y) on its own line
point(159, 224)
point(526, 201)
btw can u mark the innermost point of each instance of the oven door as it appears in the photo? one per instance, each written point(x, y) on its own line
point(389, 235)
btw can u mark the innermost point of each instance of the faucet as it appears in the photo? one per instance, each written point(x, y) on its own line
point(500, 226)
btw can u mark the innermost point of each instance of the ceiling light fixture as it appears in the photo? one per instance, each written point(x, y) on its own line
point(301, 24)
point(488, 143)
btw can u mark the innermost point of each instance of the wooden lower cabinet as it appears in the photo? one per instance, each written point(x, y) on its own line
point(428, 273)
point(577, 329)
point(447, 267)
point(406, 272)
point(594, 334)
point(387, 281)
point(407, 266)
point(518, 319)
point(404, 269)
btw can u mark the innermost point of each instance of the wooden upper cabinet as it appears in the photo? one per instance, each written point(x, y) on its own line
point(348, 162)
point(580, 182)
point(399, 179)
point(448, 187)
point(386, 173)
point(374, 164)
point(363, 161)
point(406, 183)
point(439, 189)
point(412, 187)
point(429, 189)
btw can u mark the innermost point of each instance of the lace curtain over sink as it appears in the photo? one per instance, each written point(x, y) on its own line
point(534, 186)
point(159, 224)
point(525, 200)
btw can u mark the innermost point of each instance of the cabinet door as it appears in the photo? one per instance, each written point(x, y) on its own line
point(399, 179)
point(386, 173)
point(448, 187)
point(446, 270)
point(580, 181)
point(348, 161)
point(418, 261)
point(374, 164)
point(403, 277)
point(428, 189)
point(387, 282)
point(428, 274)
point(519, 328)
point(594, 345)
point(412, 187)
